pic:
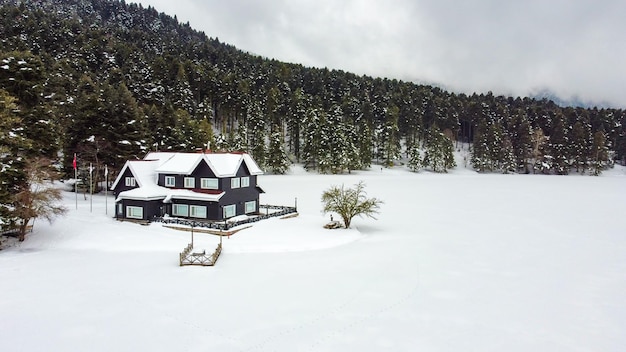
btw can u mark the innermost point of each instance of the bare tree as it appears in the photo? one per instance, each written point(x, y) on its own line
point(38, 198)
point(350, 202)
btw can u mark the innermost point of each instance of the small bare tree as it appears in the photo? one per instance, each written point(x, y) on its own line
point(37, 199)
point(350, 202)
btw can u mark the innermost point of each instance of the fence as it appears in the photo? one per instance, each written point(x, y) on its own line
point(199, 258)
point(270, 212)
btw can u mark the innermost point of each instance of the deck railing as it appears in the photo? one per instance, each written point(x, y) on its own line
point(271, 211)
point(201, 258)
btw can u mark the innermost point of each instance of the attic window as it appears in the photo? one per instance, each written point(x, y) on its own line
point(190, 182)
point(130, 182)
point(170, 181)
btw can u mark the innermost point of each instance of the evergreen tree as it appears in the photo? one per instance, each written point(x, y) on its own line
point(312, 138)
point(353, 154)
point(557, 146)
point(438, 155)
point(389, 137)
point(579, 146)
point(14, 148)
point(480, 157)
point(238, 140)
point(599, 153)
point(415, 159)
point(277, 160)
point(542, 162)
point(256, 133)
point(521, 141)
point(507, 158)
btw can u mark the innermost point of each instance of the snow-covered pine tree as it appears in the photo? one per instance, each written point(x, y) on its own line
point(12, 159)
point(311, 141)
point(439, 151)
point(256, 133)
point(521, 134)
point(508, 162)
point(221, 143)
point(415, 158)
point(277, 160)
point(599, 153)
point(580, 139)
point(480, 157)
point(557, 146)
point(541, 161)
point(238, 140)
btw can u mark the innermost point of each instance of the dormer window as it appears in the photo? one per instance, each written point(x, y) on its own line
point(130, 182)
point(170, 181)
point(190, 182)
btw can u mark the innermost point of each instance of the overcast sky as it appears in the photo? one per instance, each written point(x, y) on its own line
point(575, 48)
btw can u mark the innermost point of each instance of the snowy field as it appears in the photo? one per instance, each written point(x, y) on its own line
point(456, 262)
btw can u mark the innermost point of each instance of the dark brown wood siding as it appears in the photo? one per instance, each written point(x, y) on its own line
point(121, 186)
point(239, 196)
point(151, 208)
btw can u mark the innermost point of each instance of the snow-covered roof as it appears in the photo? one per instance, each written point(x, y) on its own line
point(180, 163)
point(150, 192)
point(222, 164)
point(161, 157)
point(191, 195)
point(142, 170)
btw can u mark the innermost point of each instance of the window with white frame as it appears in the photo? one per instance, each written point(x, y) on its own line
point(235, 182)
point(134, 212)
point(120, 209)
point(190, 182)
point(130, 182)
point(197, 211)
point(250, 206)
point(229, 211)
point(180, 210)
point(170, 181)
point(209, 183)
point(245, 181)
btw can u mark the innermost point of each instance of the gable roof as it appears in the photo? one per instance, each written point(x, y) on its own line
point(142, 171)
point(222, 164)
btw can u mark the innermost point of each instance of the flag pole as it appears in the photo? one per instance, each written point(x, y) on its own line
point(106, 190)
point(90, 188)
point(75, 180)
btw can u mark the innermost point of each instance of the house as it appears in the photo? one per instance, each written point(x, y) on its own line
point(203, 186)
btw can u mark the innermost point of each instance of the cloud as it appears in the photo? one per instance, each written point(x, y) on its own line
point(571, 47)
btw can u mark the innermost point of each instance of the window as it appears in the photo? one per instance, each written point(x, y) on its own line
point(180, 210)
point(235, 182)
point(134, 212)
point(209, 183)
point(250, 207)
point(120, 209)
point(229, 211)
point(190, 182)
point(170, 181)
point(245, 181)
point(130, 182)
point(197, 211)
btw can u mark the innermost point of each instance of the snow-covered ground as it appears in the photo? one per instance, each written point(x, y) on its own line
point(456, 262)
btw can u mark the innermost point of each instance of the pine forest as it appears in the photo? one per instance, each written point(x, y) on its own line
point(108, 81)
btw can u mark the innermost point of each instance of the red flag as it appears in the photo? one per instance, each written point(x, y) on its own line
point(74, 162)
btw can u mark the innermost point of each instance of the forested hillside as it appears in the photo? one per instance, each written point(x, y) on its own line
point(109, 80)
